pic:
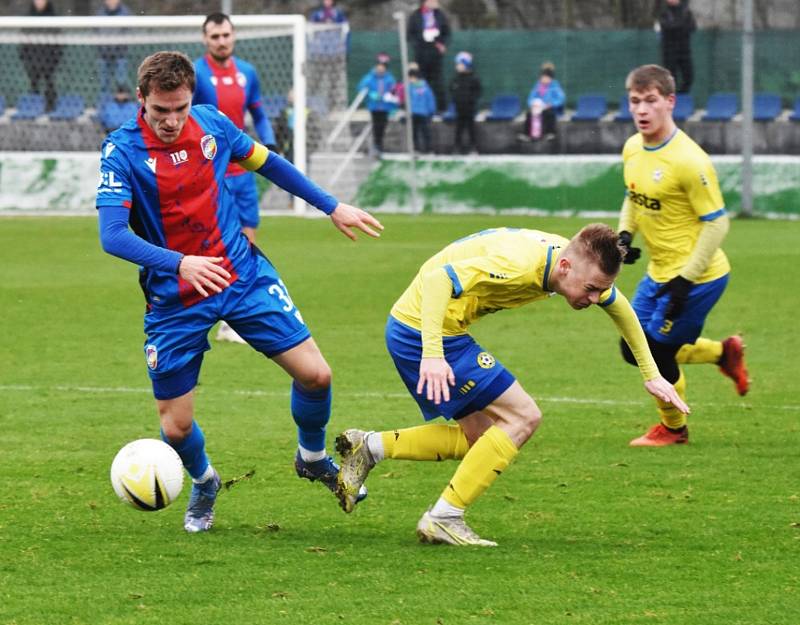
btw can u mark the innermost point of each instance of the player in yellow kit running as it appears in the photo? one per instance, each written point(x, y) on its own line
point(673, 199)
point(451, 376)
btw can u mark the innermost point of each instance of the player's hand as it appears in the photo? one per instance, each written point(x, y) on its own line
point(663, 390)
point(632, 254)
point(204, 273)
point(678, 289)
point(438, 377)
point(345, 217)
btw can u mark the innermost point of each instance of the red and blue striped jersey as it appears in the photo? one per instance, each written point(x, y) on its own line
point(177, 196)
point(233, 90)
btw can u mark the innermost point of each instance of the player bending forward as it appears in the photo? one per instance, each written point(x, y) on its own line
point(426, 335)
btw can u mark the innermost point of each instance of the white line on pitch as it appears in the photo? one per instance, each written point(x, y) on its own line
point(372, 394)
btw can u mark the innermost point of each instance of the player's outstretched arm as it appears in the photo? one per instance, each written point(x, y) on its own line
point(663, 390)
point(204, 273)
point(435, 378)
point(345, 217)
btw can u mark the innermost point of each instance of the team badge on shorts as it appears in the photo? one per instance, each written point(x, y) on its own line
point(209, 146)
point(485, 360)
point(151, 354)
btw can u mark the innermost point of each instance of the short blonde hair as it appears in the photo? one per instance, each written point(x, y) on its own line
point(599, 244)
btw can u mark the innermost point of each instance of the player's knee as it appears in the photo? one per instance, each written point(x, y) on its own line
point(175, 429)
point(627, 354)
point(316, 379)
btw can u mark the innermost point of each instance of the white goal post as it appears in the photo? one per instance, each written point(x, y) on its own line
point(70, 50)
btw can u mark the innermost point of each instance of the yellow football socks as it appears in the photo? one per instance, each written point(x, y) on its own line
point(432, 441)
point(670, 415)
point(701, 352)
point(485, 460)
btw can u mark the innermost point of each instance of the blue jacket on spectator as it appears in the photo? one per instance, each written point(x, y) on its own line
point(380, 90)
point(551, 94)
point(422, 100)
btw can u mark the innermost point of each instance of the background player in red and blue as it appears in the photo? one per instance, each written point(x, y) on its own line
point(163, 203)
point(231, 84)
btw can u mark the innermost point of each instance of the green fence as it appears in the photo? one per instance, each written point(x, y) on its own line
point(565, 185)
point(507, 61)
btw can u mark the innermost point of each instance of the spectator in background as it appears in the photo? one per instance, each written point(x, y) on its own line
point(112, 59)
point(40, 60)
point(465, 90)
point(328, 13)
point(327, 54)
point(545, 101)
point(120, 109)
point(676, 25)
point(423, 106)
point(381, 100)
point(429, 33)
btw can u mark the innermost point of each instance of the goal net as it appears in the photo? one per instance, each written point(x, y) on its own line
point(65, 79)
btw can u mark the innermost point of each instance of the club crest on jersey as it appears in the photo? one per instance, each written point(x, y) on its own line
point(241, 80)
point(151, 355)
point(209, 146)
point(657, 175)
point(485, 360)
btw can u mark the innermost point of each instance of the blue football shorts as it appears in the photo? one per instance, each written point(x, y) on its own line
point(480, 378)
point(245, 198)
point(689, 324)
point(258, 306)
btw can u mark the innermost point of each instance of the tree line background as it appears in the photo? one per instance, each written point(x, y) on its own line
point(465, 14)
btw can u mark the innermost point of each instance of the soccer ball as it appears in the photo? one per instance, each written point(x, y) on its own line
point(147, 474)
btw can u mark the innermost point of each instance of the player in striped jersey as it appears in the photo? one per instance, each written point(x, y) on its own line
point(163, 204)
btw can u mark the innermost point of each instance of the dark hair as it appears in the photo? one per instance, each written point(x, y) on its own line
point(600, 244)
point(216, 18)
point(166, 71)
point(646, 77)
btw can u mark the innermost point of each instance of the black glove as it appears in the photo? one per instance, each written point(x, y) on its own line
point(678, 289)
point(632, 254)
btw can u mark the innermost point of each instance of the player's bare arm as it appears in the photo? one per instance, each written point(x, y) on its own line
point(204, 273)
point(345, 217)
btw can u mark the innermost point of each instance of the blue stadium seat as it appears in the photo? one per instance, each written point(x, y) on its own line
point(684, 107)
point(766, 106)
point(274, 104)
point(721, 107)
point(68, 107)
point(450, 113)
point(624, 113)
point(113, 114)
point(795, 116)
point(504, 107)
point(29, 106)
point(590, 107)
point(2, 104)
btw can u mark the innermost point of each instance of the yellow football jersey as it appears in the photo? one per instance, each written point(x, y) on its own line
point(491, 270)
point(506, 268)
point(671, 189)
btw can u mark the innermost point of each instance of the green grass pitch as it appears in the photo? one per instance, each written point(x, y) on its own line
point(591, 532)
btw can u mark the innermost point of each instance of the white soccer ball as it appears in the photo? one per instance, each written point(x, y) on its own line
point(147, 474)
